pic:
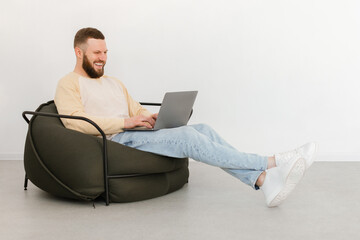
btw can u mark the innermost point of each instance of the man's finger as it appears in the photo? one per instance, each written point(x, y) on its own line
point(147, 121)
point(155, 115)
point(146, 124)
point(151, 121)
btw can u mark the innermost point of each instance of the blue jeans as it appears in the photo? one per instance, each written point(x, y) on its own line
point(201, 143)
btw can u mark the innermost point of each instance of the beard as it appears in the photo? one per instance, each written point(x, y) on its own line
point(90, 70)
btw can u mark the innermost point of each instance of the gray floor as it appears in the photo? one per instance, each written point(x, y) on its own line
point(214, 205)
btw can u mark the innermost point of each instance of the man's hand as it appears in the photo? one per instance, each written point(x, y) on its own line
point(140, 121)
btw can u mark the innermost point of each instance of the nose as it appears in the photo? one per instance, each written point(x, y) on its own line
point(103, 57)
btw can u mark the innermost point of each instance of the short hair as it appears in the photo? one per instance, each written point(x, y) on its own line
point(84, 34)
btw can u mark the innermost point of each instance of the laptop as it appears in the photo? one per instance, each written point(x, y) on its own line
point(175, 111)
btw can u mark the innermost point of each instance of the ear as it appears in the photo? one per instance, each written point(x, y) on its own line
point(78, 52)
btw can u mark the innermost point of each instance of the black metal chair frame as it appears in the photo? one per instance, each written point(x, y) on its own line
point(104, 147)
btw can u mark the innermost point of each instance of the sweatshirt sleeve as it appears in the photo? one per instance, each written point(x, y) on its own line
point(68, 102)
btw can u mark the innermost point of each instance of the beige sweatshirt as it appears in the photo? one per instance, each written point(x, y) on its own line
point(105, 101)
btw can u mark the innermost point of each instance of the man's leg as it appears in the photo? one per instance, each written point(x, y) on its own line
point(203, 144)
point(246, 176)
point(200, 143)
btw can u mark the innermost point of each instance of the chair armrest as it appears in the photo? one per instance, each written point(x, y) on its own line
point(150, 104)
point(63, 116)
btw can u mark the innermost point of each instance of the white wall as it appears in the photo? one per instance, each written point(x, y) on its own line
point(271, 74)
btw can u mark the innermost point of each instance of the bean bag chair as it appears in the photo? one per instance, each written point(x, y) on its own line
point(71, 164)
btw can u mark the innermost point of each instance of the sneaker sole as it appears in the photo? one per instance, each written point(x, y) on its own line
point(295, 175)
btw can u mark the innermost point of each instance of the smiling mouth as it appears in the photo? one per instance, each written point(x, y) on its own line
point(99, 65)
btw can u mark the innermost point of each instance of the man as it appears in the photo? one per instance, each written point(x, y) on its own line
point(89, 93)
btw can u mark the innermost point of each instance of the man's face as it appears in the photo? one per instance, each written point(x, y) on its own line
point(95, 57)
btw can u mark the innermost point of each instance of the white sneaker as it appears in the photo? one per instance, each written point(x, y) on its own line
point(306, 151)
point(281, 181)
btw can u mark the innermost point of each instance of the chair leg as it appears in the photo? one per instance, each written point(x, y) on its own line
point(25, 182)
point(107, 201)
point(107, 197)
